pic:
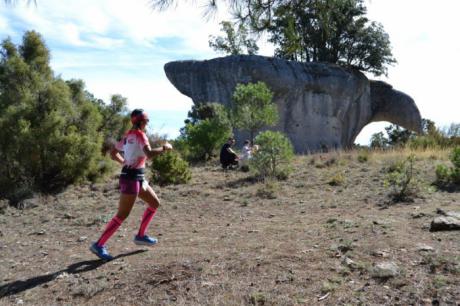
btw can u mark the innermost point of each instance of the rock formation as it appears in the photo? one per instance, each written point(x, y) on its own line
point(320, 105)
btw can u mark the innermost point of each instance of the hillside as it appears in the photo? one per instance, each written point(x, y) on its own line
point(226, 239)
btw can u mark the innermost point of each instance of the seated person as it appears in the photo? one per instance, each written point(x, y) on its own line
point(227, 156)
point(246, 153)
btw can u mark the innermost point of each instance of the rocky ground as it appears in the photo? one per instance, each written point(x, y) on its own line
point(329, 235)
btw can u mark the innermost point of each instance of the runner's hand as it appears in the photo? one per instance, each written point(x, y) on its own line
point(167, 146)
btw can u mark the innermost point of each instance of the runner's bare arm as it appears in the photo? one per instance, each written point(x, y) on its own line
point(150, 153)
point(115, 155)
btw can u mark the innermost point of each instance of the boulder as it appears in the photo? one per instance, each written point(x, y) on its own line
point(320, 105)
point(385, 270)
point(445, 223)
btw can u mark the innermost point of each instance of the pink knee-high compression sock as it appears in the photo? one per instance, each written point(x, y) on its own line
point(110, 229)
point(146, 218)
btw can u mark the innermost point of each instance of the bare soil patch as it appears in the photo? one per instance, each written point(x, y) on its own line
point(227, 239)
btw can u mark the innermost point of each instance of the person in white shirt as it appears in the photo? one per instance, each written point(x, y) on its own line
point(246, 153)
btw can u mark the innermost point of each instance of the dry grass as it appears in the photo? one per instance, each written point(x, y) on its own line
point(226, 239)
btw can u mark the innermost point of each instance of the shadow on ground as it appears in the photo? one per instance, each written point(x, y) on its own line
point(76, 268)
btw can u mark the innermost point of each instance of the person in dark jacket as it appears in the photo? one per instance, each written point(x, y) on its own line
point(228, 157)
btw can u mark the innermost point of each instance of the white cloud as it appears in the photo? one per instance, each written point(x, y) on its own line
point(97, 41)
point(4, 28)
point(71, 34)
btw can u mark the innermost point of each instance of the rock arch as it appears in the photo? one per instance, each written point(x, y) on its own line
point(319, 104)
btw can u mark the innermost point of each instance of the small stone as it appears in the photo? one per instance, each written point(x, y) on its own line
point(82, 238)
point(29, 203)
point(455, 214)
point(385, 270)
point(63, 275)
point(68, 216)
point(38, 233)
point(445, 223)
point(382, 253)
point(417, 215)
point(424, 248)
point(440, 211)
point(349, 263)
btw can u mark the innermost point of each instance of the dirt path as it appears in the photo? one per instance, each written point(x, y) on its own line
point(224, 241)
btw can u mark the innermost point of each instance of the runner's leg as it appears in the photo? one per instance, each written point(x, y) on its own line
point(152, 201)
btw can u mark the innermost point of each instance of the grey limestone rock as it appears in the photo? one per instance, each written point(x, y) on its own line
point(320, 105)
point(445, 223)
point(385, 270)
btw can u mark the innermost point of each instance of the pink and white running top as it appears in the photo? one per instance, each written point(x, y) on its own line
point(132, 144)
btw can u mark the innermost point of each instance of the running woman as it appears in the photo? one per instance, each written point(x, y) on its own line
point(136, 149)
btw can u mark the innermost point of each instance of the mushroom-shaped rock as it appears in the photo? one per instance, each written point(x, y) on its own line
point(320, 105)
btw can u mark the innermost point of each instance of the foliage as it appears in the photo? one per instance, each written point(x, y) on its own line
point(398, 136)
point(235, 42)
point(363, 156)
point(269, 189)
point(49, 128)
point(115, 117)
point(401, 179)
point(205, 137)
point(338, 179)
point(431, 137)
point(205, 111)
point(334, 31)
point(169, 168)
point(453, 130)
point(253, 107)
point(200, 138)
point(378, 141)
point(449, 177)
point(274, 156)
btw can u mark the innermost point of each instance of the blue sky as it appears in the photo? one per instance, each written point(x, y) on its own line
point(120, 47)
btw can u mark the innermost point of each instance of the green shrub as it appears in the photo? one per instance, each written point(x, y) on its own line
point(48, 138)
point(443, 175)
point(182, 146)
point(449, 177)
point(378, 141)
point(51, 130)
point(269, 189)
point(253, 107)
point(455, 158)
point(274, 156)
point(337, 179)
point(205, 137)
point(205, 132)
point(363, 156)
point(169, 168)
point(400, 178)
